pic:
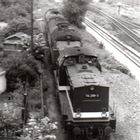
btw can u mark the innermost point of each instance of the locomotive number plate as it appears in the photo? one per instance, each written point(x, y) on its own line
point(92, 95)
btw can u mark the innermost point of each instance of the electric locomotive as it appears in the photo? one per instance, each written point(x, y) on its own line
point(83, 94)
point(59, 33)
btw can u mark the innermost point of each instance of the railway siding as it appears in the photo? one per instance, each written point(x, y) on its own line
point(118, 49)
point(126, 96)
point(125, 32)
point(121, 88)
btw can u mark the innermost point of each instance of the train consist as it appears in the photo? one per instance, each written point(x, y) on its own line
point(83, 93)
point(59, 34)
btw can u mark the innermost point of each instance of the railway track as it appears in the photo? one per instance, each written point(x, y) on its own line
point(127, 51)
point(129, 24)
point(124, 26)
point(30, 106)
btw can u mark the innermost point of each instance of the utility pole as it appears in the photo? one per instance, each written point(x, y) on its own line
point(25, 110)
point(32, 23)
point(41, 92)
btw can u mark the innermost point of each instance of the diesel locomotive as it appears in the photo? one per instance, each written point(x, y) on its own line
point(82, 91)
point(59, 34)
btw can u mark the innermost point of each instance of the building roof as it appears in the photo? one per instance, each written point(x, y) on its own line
point(17, 38)
point(12, 42)
point(19, 35)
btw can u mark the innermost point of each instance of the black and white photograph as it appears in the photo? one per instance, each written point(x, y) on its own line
point(69, 69)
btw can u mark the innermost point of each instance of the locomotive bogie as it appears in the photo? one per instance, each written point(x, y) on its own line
point(87, 126)
point(90, 129)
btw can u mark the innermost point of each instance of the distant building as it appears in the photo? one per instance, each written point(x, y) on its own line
point(16, 42)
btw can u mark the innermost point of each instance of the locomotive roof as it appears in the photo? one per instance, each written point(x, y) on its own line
point(56, 17)
point(80, 76)
point(73, 51)
point(77, 51)
point(53, 10)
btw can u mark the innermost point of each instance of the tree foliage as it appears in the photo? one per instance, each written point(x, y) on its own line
point(17, 14)
point(18, 25)
point(7, 3)
point(20, 70)
point(75, 10)
point(14, 9)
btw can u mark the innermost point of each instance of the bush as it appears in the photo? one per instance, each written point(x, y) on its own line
point(17, 14)
point(75, 11)
point(20, 70)
point(18, 25)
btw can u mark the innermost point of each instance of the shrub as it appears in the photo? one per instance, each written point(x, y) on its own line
point(18, 25)
point(75, 11)
point(20, 70)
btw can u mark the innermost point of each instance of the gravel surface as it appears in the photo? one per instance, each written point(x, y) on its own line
point(124, 92)
point(126, 12)
point(112, 29)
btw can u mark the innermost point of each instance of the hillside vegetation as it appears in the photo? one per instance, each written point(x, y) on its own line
point(17, 14)
point(75, 11)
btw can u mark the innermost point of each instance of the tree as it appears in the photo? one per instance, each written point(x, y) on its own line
point(5, 2)
point(17, 25)
point(17, 14)
point(75, 10)
point(22, 69)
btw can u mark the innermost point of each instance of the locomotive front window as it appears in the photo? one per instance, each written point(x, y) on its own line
point(69, 61)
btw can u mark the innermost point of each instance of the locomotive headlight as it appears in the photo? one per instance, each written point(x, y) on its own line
point(92, 88)
point(68, 37)
point(78, 115)
point(104, 114)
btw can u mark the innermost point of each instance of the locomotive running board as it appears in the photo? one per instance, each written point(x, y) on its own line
point(64, 88)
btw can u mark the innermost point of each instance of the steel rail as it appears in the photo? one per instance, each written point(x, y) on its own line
point(125, 50)
point(128, 32)
point(126, 22)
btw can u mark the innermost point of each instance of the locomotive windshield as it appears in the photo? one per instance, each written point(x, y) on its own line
point(80, 59)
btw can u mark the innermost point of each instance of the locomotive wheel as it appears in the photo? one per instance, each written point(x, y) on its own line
point(105, 138)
